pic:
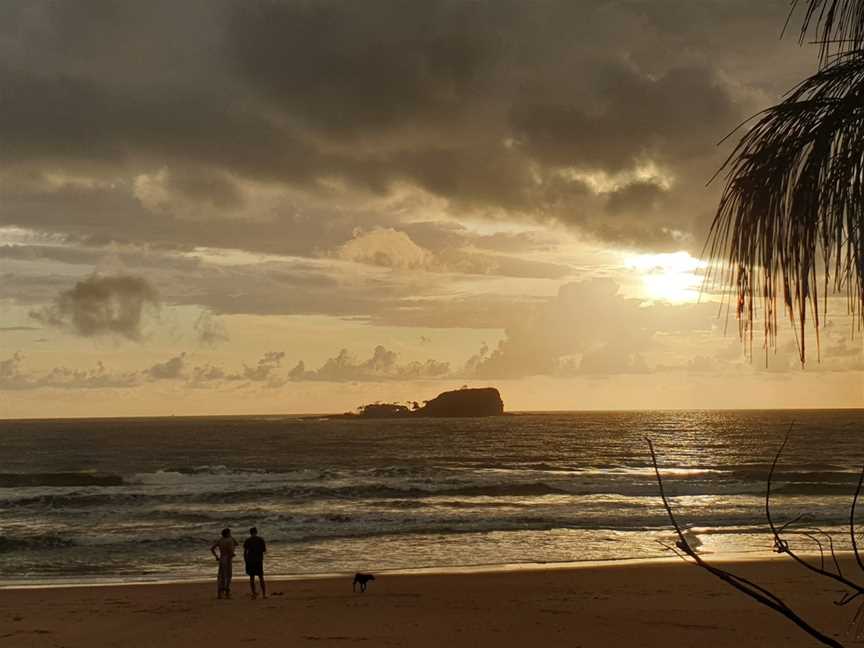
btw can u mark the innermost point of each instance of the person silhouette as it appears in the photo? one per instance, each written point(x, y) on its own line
point(253, 553)
point(226, 546)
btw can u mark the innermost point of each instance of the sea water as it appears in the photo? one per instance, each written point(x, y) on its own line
point(134, 499)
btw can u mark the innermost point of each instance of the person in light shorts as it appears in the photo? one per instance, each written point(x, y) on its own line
point(226, 546)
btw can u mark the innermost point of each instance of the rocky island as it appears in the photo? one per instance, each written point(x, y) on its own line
point(485, 401)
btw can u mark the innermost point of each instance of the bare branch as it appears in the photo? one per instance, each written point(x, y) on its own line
point(819, 544)
point(848, 597)
point(830, 548)
point(792, 522)
point(743, 585)
point(857, 622)
point(781, 545)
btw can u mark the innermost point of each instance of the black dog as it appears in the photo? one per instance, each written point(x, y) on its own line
point(362, 579)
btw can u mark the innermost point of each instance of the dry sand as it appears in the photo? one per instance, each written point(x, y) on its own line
point(667, 604)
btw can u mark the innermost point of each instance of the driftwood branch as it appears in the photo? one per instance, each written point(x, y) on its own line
point(754, 591)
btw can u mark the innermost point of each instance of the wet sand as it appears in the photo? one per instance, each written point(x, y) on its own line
point(663, 603)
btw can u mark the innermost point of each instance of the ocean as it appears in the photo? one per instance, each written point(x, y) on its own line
point(143, 499)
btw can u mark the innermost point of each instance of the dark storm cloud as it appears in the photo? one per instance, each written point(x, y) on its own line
point(639, 196)
point(348, 68)
point(625, 116)
point(480, 104)
point(208, 187)
point(80, 123)
point(101, 306)
point(109, 214)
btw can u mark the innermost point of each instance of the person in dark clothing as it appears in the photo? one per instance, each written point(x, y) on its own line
point(253, 552)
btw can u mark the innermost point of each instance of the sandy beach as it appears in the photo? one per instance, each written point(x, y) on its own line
point(661, 603)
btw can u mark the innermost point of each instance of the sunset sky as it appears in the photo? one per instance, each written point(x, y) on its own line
point(233, 207)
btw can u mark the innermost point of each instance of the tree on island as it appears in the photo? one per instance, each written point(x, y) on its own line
point(792, 209)
point(463, 402)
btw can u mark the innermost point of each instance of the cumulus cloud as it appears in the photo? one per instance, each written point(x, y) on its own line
point(711, 354)
point(588, 327)
point(387, 247)
point(391, 248)
point(264, 370)
point(98, 378)
point(14, 376)
point(171, 369)
point(102, 306)
point(203, 375)
point(10, 371)
point(382, 365)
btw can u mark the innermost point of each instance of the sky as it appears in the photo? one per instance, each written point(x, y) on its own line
point(237, 207)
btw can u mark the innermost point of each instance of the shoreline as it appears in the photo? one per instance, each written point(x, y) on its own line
point(480, 568)
point(643, 603)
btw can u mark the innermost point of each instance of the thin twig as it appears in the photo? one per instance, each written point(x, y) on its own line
point(830, 547)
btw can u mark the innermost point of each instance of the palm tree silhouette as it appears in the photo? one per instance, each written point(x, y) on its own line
point(791, 216)
point(792, 210)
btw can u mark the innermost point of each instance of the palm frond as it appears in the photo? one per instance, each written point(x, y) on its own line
point(793, 202)
point(838, 25)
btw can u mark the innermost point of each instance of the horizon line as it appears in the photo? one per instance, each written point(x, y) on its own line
point(325, 415)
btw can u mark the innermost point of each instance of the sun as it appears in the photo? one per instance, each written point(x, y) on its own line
point(674, 277)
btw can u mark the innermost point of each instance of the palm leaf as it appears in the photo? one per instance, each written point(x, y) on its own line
point(793, 202)
point(839, 25)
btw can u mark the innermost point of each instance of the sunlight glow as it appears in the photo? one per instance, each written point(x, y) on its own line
point(602, 182)
point(674, 277)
